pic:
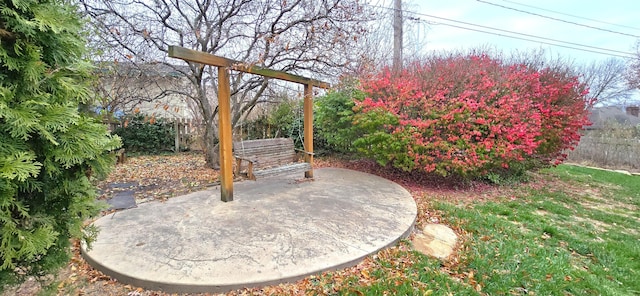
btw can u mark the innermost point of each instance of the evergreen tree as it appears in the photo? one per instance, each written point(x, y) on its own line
point(48, 149)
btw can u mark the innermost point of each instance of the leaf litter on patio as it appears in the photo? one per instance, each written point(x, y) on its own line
point(157, 177)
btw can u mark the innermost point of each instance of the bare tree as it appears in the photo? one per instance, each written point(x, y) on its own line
point(305, 37)
point(607, 81)
point(380, 42)
point(537, 59)
point(633, 70)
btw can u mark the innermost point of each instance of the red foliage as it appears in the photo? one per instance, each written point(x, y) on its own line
point(471, 115)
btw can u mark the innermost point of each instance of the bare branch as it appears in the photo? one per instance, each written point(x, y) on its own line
point(312, 38)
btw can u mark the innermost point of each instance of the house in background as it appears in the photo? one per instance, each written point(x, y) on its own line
point(601, 116)
point(153, 89)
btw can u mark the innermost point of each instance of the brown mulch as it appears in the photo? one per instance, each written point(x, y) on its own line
point(161, 177)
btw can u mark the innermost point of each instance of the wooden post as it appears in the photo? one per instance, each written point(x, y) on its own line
point(224, 126)
point(308, 128)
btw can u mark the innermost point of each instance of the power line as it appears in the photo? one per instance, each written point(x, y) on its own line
point(527, 35)
point(594, 49)
point(537, 41)
point(572, 15)
point(560, 20)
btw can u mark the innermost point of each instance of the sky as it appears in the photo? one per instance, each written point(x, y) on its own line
point(434, 32)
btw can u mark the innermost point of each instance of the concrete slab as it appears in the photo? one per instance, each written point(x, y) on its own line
point(276, 230)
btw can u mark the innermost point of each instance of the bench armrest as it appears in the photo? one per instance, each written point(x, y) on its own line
point(305, 152)
point(254, 160)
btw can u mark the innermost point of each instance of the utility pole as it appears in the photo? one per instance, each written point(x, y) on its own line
point(397, 36)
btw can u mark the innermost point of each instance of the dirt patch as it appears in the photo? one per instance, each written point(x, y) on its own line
point(612, 209)
point(600, 194)
point(596, 197)
point(29, 287)
point(609, 206)
point(581, 191)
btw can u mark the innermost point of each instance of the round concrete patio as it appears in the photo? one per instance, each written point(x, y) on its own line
point(276, 230)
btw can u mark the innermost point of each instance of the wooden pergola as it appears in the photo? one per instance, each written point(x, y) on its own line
point(224, 107)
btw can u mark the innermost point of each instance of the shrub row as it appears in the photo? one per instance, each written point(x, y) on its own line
point(471, 116)
point(143, 134)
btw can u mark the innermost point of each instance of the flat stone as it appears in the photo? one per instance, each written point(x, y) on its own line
point(124, 185)
point(122, 200)
point(436, 240)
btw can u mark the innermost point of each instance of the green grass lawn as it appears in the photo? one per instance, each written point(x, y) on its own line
point(576, 233)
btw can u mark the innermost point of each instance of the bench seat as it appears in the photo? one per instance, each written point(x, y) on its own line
point(267, 157)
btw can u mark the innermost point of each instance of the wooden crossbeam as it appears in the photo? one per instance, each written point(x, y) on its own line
point(218, 61)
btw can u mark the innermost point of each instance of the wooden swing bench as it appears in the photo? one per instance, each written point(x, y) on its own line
point(268, 157)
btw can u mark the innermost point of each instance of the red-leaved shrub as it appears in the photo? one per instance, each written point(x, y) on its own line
point(471, 116)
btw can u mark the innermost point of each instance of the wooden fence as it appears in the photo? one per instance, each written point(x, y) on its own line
point(607, 152)
point(188, 132)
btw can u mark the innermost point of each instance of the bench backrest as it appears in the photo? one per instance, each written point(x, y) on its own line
point(267, 152)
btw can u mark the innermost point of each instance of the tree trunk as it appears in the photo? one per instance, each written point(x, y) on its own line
point(211, 148)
